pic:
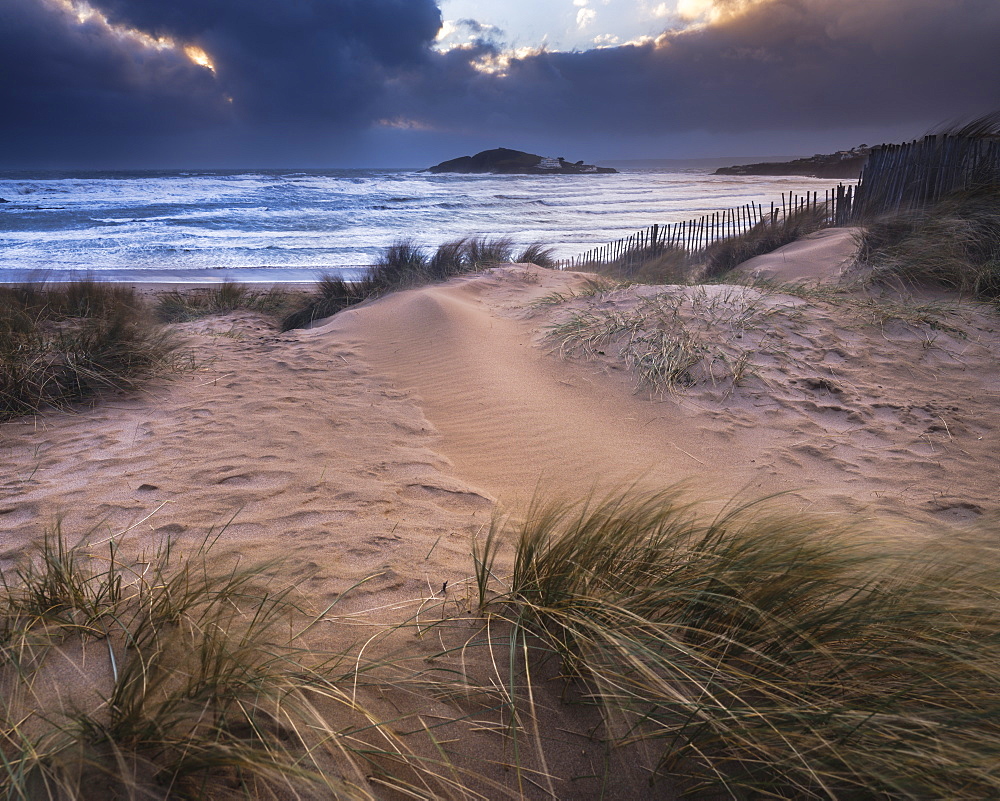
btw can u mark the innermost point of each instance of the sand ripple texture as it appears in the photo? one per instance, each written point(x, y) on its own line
point(848, 403)
point(294, 450)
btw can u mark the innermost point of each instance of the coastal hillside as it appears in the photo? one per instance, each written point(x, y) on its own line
point(504, 161)
point(844, 164)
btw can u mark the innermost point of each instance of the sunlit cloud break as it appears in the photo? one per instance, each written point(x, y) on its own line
point(87, 14)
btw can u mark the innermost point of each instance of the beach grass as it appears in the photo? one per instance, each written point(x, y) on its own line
point(63, 343)
point(173, 675)
point(757, 654)
point(538, 254)
point(659, 265)
point(178, 306)
point(954, 244)
point(673, 339)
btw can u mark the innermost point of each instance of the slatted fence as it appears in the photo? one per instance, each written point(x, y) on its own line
point(917, 174)
point(697, 235)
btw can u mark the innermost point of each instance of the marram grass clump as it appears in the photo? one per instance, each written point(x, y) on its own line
point(954, 244)
point(178, 306)
point(763, 655)
point(181, 676)
point(62, 343)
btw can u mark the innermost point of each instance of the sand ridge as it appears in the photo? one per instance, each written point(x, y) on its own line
point(860, 408)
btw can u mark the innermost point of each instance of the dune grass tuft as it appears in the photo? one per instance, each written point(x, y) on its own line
point(61, 343)
point(177, 306)
point(679, 337)
point(763, 655)
point(954, 244)
point(174, 676)
point(539, 255)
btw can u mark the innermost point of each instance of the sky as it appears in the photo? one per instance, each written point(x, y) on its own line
point(97, 84)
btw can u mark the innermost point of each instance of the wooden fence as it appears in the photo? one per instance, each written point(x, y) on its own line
point(695, 236)
point(913, 175)
point(895, 178)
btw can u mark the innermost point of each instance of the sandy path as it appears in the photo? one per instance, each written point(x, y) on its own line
point(850, 415)
point(314, 460)
point(510, 416)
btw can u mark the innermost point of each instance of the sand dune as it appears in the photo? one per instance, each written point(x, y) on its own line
point(849, 410)
point(820, 256)
point(511, 417)
point(396, 425)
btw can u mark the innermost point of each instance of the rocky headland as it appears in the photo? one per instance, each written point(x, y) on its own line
point(504, 161)
point(845, 164)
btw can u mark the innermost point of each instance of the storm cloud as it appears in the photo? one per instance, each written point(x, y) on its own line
point(278, 75)
point(804, 64)
point(256, 81)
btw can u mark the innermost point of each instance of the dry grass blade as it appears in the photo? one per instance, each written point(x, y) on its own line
point(63, 343)
point(181, 677)
point(766, 654)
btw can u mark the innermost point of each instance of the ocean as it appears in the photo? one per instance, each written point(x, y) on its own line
point(285, 225)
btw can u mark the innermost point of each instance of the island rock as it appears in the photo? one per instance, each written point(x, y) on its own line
point(504, 161)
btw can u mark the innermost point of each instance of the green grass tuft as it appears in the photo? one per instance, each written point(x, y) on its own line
point(954, 244)
point(62, 343)
point(763, 655)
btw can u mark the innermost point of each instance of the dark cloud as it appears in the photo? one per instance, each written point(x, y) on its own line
point(304, 81)
point(804, 64)
point(291, 75)
point(316, 61)
point(61, 80)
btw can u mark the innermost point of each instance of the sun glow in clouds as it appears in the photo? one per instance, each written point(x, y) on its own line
point(199, 57)
point(86, 14)
point(713, 10)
